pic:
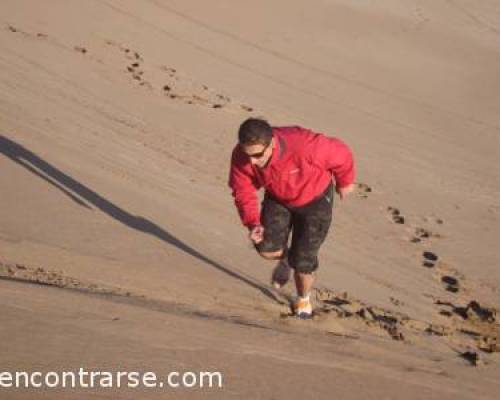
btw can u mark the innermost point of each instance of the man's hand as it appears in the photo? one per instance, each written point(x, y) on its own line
point(256, 234)
point(344, 191)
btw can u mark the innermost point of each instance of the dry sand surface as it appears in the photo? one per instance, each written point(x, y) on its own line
point(120, 248)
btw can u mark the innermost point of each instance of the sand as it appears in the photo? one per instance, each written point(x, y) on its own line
point(120, 247)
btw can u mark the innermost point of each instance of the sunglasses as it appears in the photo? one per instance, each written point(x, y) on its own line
point(260, 153)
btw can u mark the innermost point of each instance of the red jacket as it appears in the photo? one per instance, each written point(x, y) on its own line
point(300, 169)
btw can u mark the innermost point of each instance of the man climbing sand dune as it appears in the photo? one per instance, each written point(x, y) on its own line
point(299, 171)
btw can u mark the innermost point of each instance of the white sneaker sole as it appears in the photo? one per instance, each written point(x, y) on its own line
point(304, 315)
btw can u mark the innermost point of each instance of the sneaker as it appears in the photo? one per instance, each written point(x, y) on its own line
point(302, 307)
point(281, 274)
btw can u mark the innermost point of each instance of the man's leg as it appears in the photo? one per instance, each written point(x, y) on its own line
point(275, 218)
point(310, 228)
point(304, 283)
point(281, 272)
point(271, 255)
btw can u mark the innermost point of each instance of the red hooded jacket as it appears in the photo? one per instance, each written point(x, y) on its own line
point(301, 167)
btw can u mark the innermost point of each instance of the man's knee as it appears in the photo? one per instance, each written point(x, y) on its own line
point(271, 255)
point(303, 262)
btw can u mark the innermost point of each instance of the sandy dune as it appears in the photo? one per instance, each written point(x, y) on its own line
point(119, 243)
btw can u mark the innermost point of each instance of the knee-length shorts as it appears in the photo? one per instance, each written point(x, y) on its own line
point(308, 225)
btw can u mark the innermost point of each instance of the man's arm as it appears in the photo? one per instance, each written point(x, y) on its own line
point(244, 190)
point(335, 156)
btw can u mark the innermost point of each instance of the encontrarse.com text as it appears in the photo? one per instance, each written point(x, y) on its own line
point(101, 379)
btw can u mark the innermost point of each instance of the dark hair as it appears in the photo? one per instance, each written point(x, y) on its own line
point(255, 131)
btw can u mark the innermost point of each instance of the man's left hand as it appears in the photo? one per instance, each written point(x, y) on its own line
point(344, 191)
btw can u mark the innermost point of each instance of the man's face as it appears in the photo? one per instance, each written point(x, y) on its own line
point(259, 154)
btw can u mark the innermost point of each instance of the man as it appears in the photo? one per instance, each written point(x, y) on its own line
point(296, 167)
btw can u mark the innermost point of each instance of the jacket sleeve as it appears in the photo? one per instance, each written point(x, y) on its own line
point(244, 190)
point(335, 156)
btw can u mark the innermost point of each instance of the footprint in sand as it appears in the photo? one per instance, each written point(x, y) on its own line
point(451, 284)
point(430, 259)
point(472, 312)
point(476, 311)
point(13, 29)
point(472, 357)
point(396, 215)
point(340, 306)
point(471, 327)
point(202, 95)
point(80, 49)
point(39, 35)
point(135, 60)
point(136, 73)
point(396, 302)
point(419, 234)
point(422, 234)
point(362, 189)
point(475, 325)
point(175, 86)
point(489, 344)
point(246, 108)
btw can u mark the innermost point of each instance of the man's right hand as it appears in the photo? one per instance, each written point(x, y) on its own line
point(256, 234)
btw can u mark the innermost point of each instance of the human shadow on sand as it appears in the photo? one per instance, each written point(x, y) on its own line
point(79, 192)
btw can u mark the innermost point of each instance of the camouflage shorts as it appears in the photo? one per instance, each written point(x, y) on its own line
point(308, 224)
